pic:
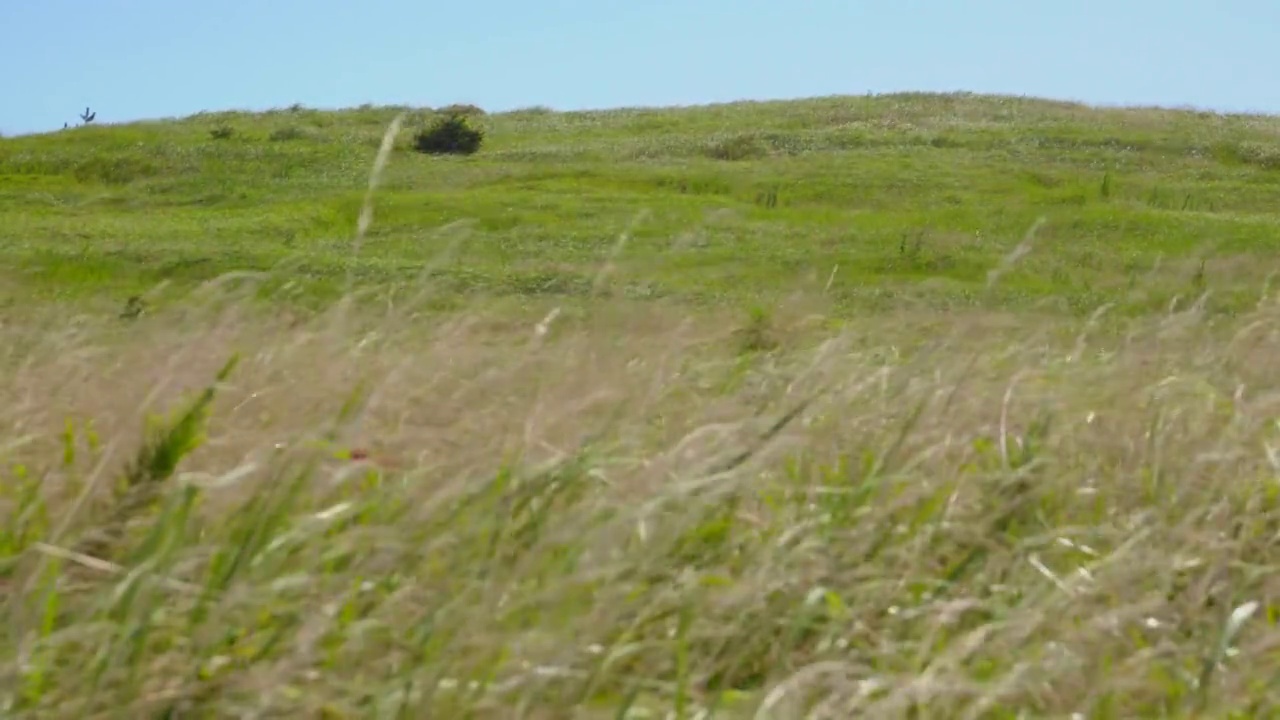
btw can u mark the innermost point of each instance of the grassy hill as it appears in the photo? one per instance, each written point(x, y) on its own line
point(908, 406)
point(882, 201)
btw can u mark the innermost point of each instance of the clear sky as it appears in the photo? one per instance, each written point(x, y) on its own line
point(133, 59)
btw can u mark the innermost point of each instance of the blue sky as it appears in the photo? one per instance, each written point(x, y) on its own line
point(134, 59)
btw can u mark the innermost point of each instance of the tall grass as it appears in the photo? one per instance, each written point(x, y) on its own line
point(629, 511)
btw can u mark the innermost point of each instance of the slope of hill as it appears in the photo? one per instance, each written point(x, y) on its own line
point(833, 431)
point(879, 200)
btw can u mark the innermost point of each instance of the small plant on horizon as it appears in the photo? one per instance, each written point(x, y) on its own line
point(222, 132)
point(463, 109)
point(534, 110)
point(449, 136)
point(87, 116)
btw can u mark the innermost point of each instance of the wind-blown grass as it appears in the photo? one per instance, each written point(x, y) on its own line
point(458, 520)
point(634, 508)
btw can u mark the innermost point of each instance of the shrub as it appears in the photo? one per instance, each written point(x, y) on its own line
point(463, 109)
point(449, 136)
point(222, 132)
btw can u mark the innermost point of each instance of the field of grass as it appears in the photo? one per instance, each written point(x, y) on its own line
point(879, 202)
point(910, 406)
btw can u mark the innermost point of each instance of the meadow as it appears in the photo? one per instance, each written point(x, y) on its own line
point(900, 406)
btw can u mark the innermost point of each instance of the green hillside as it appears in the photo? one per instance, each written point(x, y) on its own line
point(875, 200)
point(767, 410)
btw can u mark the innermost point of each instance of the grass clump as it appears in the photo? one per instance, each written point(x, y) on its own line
point(222, 131)
point(738, 147)
point(287, 134)
point(757, 333)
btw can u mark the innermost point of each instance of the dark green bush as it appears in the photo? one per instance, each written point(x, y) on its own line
point(450, 135)
point(465, 109)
